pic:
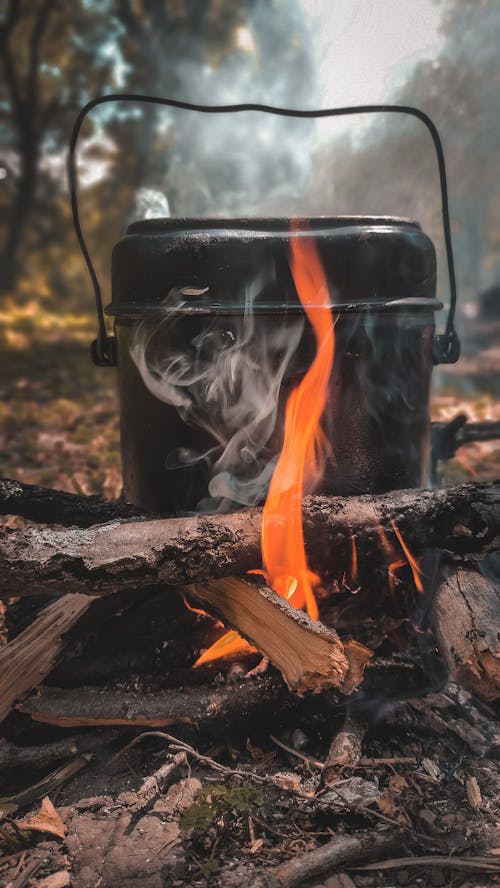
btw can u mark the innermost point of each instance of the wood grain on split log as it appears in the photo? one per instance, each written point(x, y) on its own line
point(465, 618)
point(26, 660)
point(462, 520)
point(309, 656)
point(49, 506)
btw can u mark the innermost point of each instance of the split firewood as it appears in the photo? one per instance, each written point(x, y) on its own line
point(26, 660)
point(465, 618)
point(309, 656)
point(463, 520)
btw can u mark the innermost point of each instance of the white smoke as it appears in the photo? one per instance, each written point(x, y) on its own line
point(224, 378)
point(148, 203)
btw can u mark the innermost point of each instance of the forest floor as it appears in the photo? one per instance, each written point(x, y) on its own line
point(59, 427)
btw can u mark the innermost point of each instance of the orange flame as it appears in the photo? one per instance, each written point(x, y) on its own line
point(229, 645)
point(354, 560)
point(414, 567)
point(301, 461)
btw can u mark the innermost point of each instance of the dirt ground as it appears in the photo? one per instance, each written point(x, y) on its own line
point(194, 824)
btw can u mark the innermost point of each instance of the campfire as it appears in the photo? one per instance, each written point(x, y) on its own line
point(279, 558)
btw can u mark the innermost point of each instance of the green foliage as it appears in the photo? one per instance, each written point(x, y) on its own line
point(215, 801)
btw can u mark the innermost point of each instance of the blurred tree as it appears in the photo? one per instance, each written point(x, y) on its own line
point(56, 55)
point(394, 170)
point(50, 59)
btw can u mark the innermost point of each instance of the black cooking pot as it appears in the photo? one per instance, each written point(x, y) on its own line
point(187, 293)
point(381, 274)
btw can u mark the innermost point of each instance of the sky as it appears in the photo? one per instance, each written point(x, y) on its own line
point(366, 49)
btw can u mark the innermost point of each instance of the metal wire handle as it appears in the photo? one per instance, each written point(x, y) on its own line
point(446, 346)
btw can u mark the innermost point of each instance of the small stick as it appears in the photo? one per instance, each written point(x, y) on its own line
point(300, 755)
point(341, 851)
point(181, 746)
point(476, 864)
point(45, 787)
point(366, 762)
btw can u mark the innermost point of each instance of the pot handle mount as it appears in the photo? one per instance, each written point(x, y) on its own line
point(446, 345)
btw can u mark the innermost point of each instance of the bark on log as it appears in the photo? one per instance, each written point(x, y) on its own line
point(208, 706)
point(253, 704)
point(310, 656)
point(42, 504)
point(465, 618)
point(462, 520)
point(26, 660)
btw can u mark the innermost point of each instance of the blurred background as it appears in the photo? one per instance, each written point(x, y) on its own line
point(59, 414)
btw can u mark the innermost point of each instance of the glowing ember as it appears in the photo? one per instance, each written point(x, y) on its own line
point(417, 573)
point(354, 560)
point(395, 563)
point(301, 462)
point(302, 458)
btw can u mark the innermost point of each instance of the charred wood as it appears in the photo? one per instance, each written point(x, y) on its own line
point(37, 758)
point(212, 707)
point(47, 506)
point(449, 712)
point(461, 521)
point(251, 704)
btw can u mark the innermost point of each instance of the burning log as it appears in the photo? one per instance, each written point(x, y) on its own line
point(461, 521)
point(465, 618)
point(309, 656)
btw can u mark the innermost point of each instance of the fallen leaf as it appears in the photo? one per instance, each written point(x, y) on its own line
point(256, 846)
point(397, 783)
point(385, 803)
point(46, 820)
point(288, 780)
